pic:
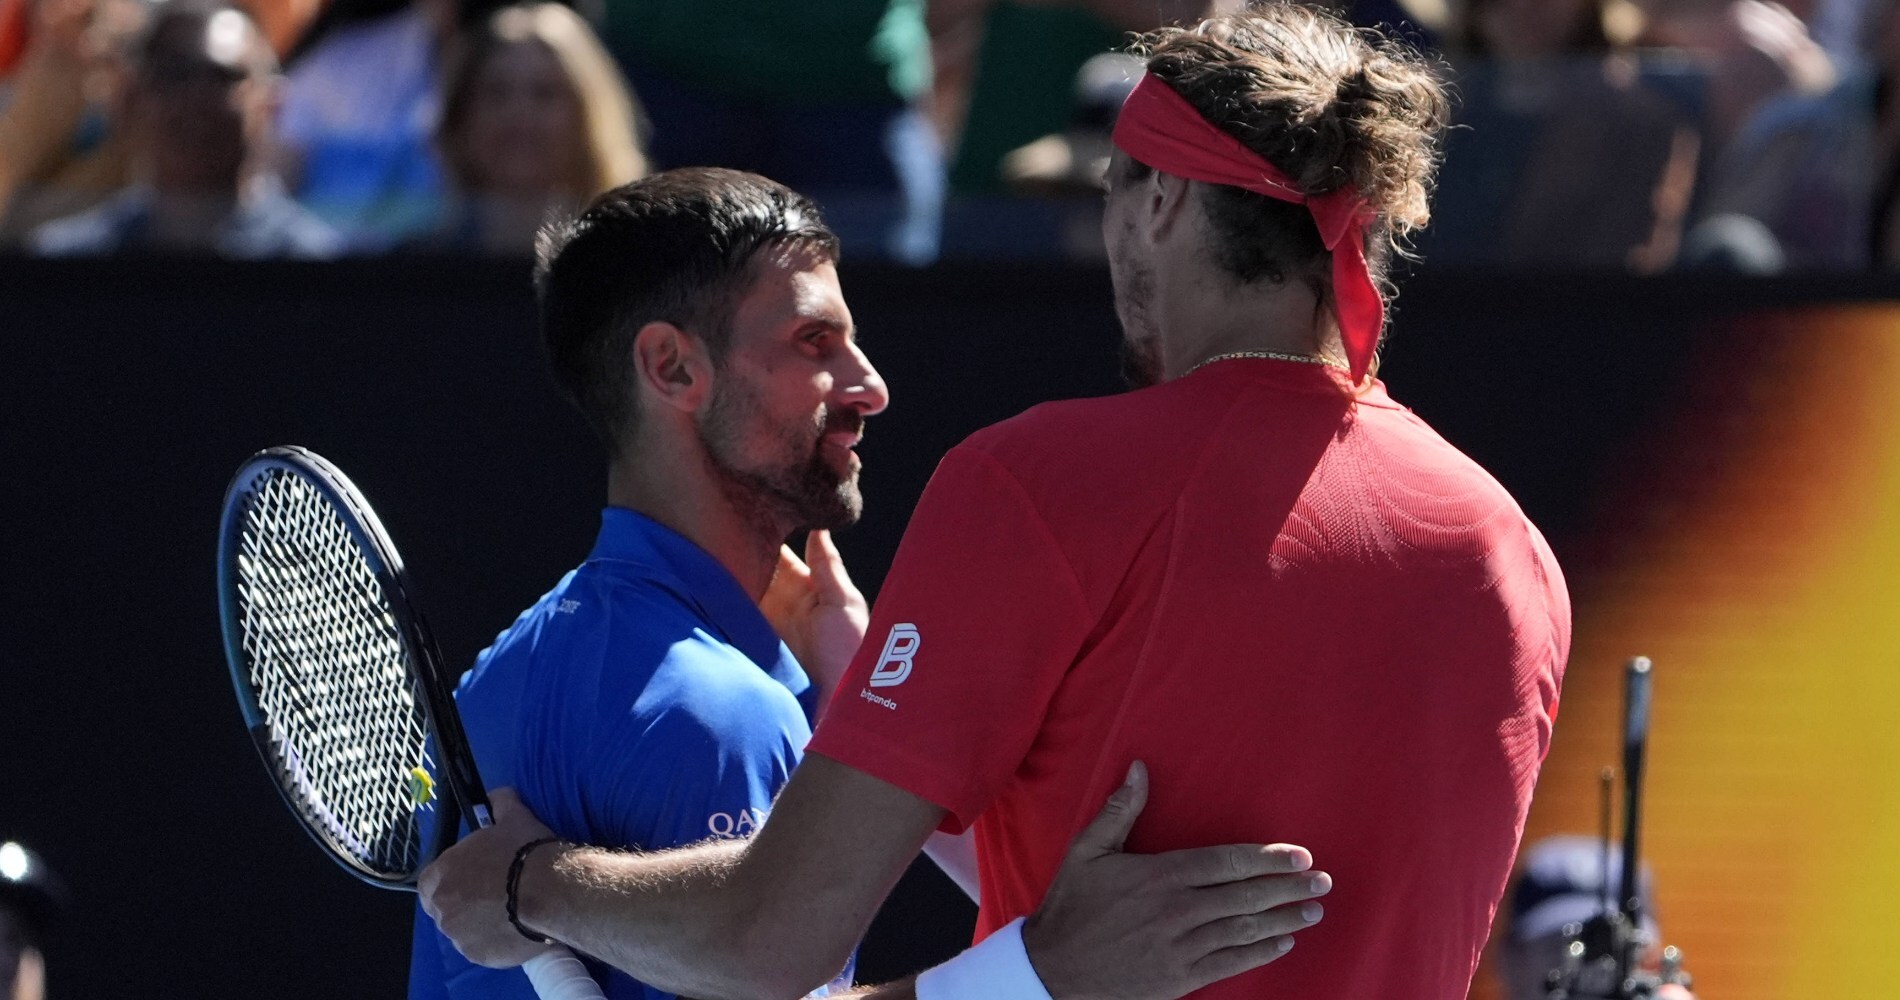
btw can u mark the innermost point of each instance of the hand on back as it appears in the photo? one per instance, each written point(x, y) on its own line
point(1160, 926)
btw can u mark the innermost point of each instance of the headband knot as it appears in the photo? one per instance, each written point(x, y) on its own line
point(1161, 129)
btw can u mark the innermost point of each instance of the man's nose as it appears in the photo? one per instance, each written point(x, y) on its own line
point(862, 387)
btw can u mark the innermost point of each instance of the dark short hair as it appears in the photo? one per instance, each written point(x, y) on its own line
point(675, 247)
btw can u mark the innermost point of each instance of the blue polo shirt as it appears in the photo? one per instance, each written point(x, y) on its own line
point(644, 702)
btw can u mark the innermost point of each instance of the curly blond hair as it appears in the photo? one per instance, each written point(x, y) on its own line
point(1329, 104)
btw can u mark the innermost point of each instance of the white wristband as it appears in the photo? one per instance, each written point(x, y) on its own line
point(997, 969)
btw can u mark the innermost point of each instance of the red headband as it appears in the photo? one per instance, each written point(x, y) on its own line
point(1161, 129)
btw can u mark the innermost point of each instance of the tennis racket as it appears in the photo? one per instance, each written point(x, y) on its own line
point(341, 685)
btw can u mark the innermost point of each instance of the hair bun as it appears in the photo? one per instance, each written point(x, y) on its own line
point(1330, 104)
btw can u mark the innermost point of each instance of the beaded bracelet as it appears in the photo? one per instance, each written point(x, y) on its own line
point(514, 886)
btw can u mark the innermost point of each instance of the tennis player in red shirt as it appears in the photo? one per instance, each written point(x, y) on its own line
point(1314, 620)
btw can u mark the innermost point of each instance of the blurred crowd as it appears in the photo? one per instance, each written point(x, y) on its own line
point(1640, 135)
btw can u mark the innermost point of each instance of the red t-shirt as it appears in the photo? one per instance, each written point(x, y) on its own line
point(1314, 619)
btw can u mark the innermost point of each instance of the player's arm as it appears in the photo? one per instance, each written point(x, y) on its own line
point(821, 616)
point(778, 916)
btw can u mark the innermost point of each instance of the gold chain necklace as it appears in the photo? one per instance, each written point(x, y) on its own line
point(1305, 359)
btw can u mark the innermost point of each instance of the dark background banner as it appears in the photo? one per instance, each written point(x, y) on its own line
point(133, 389)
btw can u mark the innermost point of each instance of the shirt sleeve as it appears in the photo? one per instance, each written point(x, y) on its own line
point(973, 631)
point(689, 774)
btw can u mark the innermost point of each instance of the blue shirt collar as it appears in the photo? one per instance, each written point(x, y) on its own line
point(673, 561)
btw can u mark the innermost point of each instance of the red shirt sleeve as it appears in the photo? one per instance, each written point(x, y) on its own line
point(973, 631)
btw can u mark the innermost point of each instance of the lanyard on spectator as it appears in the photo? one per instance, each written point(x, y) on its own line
point(1161, 129)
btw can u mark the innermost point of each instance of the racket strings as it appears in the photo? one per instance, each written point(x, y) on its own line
point(327, 663)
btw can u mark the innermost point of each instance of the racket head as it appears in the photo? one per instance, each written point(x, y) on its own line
point(335, 672)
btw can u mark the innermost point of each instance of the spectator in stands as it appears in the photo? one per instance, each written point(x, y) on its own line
point(196, 112)
point(58, 153)
point(1065, 169)
point(358, 120)
point(1024, 95)
point(824, 97)
point(1003, 67)
point(536, 121)
point(1790, 138)
point(1566, 135)
point(1560, 882)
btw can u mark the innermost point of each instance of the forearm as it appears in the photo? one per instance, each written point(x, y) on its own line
point(774, 917)
point(676, 920)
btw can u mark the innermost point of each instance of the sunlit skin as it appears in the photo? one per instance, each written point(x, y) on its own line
point(736, 452)
point(773, 430)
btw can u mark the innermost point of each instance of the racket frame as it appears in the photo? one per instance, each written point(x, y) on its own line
point(454, 761)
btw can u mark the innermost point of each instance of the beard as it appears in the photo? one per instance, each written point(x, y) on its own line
point(1141, 362)
point(792, 481)
point(1141, 348)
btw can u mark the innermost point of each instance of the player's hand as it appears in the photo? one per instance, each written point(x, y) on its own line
point(813, 605)
point(1163, 925)
point(465, 890)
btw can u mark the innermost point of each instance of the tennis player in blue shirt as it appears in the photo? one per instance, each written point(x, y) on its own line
point(647, 701)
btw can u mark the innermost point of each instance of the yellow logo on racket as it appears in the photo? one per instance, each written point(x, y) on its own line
point(421, 787)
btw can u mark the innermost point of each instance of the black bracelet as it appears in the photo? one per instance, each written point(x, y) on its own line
point(514, 886)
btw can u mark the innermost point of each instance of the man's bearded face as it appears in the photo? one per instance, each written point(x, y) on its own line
point(1133, 276)
point(1134, 290)
point(779, 463)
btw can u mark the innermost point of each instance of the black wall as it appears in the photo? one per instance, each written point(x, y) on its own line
point(131, 390)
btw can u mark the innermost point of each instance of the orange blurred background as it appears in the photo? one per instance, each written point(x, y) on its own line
point(1751, 546)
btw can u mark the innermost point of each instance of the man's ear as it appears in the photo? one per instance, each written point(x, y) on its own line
point(672, 366)
point(1168, 197)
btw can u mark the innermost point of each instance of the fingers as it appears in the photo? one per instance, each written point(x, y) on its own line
point(1234, 961)
point(425, 890)
point(1233, 899)
point(1252, 928)
point(827, 568)
point(791, 568)
point(1108, 831)
point(505, 804)
point(1235, 862)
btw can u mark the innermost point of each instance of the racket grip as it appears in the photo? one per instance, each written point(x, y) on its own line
point(558, 975)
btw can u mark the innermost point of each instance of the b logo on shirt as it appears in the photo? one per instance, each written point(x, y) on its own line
point(893, 668)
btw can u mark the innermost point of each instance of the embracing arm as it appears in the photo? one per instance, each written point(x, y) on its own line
point(775, 917)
